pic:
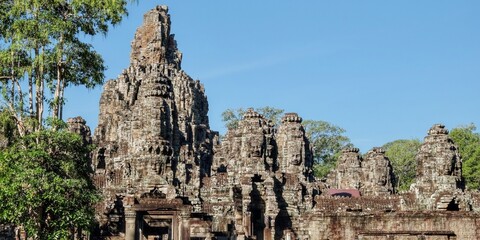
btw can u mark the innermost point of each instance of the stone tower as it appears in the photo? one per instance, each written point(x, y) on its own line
point(269, 172)
point(348, 173)
point(439, 182)
point(153, 136)
point(371, 175)
point(377, 174)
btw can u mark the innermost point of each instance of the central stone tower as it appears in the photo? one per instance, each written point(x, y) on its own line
point(153, 134)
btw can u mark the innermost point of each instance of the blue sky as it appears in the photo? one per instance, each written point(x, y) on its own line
point(382, 70)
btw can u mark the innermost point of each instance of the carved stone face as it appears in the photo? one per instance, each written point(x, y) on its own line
point(256, 149)
point(295, 153)
point(296, 131)
point(296, 159)
point(382, 179)
point(448, 166)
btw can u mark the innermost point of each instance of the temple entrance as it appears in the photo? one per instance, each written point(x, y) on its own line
point(156, 227)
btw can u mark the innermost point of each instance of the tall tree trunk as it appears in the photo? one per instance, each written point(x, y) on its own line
point(39, 87)
point(40, 109)
point(30, 94)
point(62, 91)
point(19, 113)
point(20, 98)
point(57, 101)
point(16, 108)
point(56, 96)
point(12, 89)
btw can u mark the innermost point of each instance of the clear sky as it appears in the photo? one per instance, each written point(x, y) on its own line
point(382, 70)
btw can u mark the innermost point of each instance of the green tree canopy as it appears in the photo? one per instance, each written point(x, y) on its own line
point(40, 47)
point(327, 141)
point(468, 142)
point(402, 157)
point(46, 186)
point(44, 172)
point(231, 117)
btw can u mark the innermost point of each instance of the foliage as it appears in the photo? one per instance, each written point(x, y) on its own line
point(272, 114)
point(231, 117)
point(40, 47)
point(402, 157)
point(46, 186)
point(7, 129)
point(326, 138)
point(321, 170)
point(327, 141)
point(468, 142)
point(44, 173)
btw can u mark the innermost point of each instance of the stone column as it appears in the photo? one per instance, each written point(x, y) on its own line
point(267, 231)
point(175, 227)
point(247, 224)
point(246, 200)
point(184, 225)
point(288, 236)
point(130, 220)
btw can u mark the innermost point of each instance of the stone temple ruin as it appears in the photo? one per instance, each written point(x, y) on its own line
point(164, 174)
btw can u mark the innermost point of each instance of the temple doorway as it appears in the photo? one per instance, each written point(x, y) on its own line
point(157, 227)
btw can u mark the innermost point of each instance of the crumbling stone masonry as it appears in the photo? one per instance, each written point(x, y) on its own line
point(372, 175)
point(165, 175)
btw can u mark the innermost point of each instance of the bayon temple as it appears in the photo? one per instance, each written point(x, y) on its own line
point(164, 174)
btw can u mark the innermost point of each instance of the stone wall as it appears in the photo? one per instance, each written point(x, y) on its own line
point(394, 225)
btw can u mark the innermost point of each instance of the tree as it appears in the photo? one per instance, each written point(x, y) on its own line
point(402, 157)
point(46, 186)
point(468, 142)
point(231, 117)
point(40, 45)
point(327, 141)
point(7, 130)
point(44, 171)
